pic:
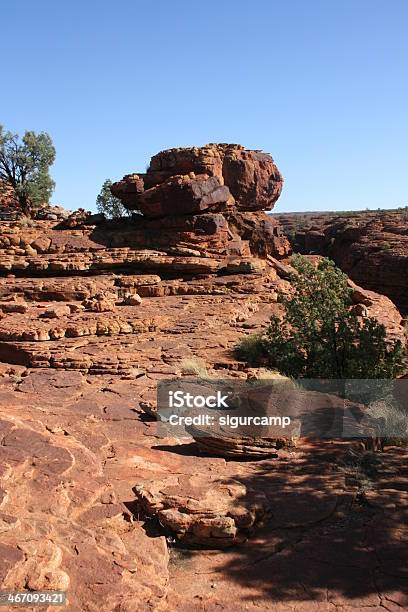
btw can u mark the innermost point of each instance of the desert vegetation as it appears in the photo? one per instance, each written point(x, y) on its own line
point(25, 168)
point(321, 335)
point(108, 204)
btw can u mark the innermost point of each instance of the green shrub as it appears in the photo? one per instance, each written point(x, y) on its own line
point(108, 204)
point(25, 167)
point(320, 336)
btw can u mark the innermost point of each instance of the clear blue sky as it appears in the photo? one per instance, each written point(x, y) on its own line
point(320, 84)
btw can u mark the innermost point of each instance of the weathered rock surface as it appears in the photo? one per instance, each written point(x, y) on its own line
point(181, 195)
point(8, 202)
point(262, 232)
point(73, 447)
point(231, 185)
point(223, 444)
point(43, 250)
point(93, 497)
point(251, 176)
point(325, 546)
point(63, 525)
point(203, 510)
point(129, 188)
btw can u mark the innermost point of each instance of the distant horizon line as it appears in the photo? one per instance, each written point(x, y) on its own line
point(340, 210)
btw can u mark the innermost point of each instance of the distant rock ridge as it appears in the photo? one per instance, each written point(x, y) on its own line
point(370, 246)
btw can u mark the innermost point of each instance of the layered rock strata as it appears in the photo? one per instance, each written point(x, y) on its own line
point(92, 498)
point(228, 184)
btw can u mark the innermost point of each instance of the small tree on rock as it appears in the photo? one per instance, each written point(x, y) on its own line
point(108, 204)
point(321, 335)
point(24, 167)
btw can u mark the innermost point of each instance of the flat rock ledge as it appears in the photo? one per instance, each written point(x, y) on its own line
point(248, 447)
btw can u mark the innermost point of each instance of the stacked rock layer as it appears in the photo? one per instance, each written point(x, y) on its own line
point(217, 193)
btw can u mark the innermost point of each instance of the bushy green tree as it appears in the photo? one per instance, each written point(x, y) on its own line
point(24, 166)
point(108, 204)
point(321, 335)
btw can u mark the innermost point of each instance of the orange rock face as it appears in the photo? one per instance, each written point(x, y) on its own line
point(251, 177)
point(184, 195)
point(228, 184)
point(94, 500)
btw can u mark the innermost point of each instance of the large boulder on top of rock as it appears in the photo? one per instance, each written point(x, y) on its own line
point(182, 160)
point(225, 183)
point(251, 176)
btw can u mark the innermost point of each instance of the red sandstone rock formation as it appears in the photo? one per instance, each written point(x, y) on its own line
point(7, 196)
point(231, 185)
point(181, 195)
point(252, 176)
point(90, 319)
